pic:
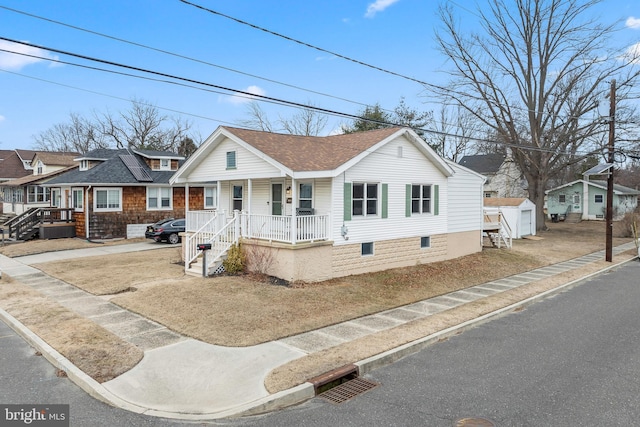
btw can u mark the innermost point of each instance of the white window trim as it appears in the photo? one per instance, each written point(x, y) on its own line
point(235, 160)
point(422, 199)
point(81, 191)
point(167, 167)
point(38, 190)
point(215, 197)
point(428, 240)
point(84, 165)
point(373, 249)
point(159, 196)
point(95, 199)
point(365, 199)
point(300, 192)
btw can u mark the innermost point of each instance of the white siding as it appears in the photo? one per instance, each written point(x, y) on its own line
point(465, 201)
point(214, 166)
point(385, 167)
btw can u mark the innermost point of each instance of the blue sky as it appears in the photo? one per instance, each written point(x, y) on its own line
point(396, 35)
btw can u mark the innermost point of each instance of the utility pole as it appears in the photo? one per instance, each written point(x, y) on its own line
point(612, 129)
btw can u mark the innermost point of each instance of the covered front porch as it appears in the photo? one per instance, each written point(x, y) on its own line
point(273, 228)
point(281, 211)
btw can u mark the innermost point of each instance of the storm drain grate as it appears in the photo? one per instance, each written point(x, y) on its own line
point(348, 390)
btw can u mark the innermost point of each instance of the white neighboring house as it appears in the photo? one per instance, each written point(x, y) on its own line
point(504, 178)
point(314, 208)
point(28, 192)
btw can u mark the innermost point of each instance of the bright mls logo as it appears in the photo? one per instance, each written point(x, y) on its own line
point(34, 415)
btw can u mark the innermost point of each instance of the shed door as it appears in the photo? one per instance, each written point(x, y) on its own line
point(525, 222)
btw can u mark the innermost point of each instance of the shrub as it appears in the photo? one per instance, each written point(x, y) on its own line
point(624, 227)
point(259, 259)
point(235, 261)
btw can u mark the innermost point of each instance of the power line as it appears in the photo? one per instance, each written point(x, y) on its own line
point(341, 56)
point(309, 45)
point(177, 55)
point(113, 96)
point(235, 91)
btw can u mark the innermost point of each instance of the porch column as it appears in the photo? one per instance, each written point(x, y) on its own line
point(218, 190)
point(294, 196)
point(585, 200)
point(249, 192)
point(186, 199)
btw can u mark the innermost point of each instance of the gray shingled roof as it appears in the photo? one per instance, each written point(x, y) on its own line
point(618, 188)
point(111, 171)
point(483, 163)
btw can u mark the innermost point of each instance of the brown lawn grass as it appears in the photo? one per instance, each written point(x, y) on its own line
point(93, 349)
point(246, 310)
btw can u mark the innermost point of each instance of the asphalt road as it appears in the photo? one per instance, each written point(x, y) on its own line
point(573, 359)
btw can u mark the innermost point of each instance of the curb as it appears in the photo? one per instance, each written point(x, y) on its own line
point(82, 380)
point(284, 398)
point(367, 365)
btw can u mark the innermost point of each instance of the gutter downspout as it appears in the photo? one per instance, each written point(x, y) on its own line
point(86, 214)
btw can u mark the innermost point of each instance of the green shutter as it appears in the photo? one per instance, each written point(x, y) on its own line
point(385, 194)
point(407, 201)
point(347, 201)
point(436, 199)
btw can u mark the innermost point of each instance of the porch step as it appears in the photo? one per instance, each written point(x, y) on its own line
point(6, 217)
point(195, 269)
point(495, 240)
point(574, 217)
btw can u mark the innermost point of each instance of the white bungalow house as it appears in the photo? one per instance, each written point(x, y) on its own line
point(314, 208)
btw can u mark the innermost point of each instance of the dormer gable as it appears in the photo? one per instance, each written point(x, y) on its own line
point(160, 160)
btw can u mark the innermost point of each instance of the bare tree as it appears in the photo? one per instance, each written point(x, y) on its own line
point(454, 131)
point(534, 77)
point(143, 127)
point(257, 118)
point(140, 127)
point(79, 135)
point(307, 121)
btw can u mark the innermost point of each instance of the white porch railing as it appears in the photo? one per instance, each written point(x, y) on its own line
point(221, 232)
point(277, 228)
point(198, 219)
point(203, 231)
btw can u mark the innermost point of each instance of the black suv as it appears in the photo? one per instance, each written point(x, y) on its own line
point(166, 229)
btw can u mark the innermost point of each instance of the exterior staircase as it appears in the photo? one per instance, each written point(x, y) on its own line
point(573, 217)
point(4, 217)
point(220, 235)
point(496, 230)
point(216, 267)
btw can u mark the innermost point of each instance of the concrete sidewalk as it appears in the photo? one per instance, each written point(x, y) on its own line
point(94, 251)
point(180, 377)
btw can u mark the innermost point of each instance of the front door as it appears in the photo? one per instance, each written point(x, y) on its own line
point(276, 199)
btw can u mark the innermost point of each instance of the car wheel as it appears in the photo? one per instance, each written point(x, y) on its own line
point(173, 238)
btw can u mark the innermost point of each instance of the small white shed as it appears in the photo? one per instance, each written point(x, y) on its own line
point(519, 213)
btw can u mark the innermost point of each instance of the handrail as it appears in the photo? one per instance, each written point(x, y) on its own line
point(504, 229)
point(33, 216)
point(505, 223)
point(191, 243)
point(222, 241)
